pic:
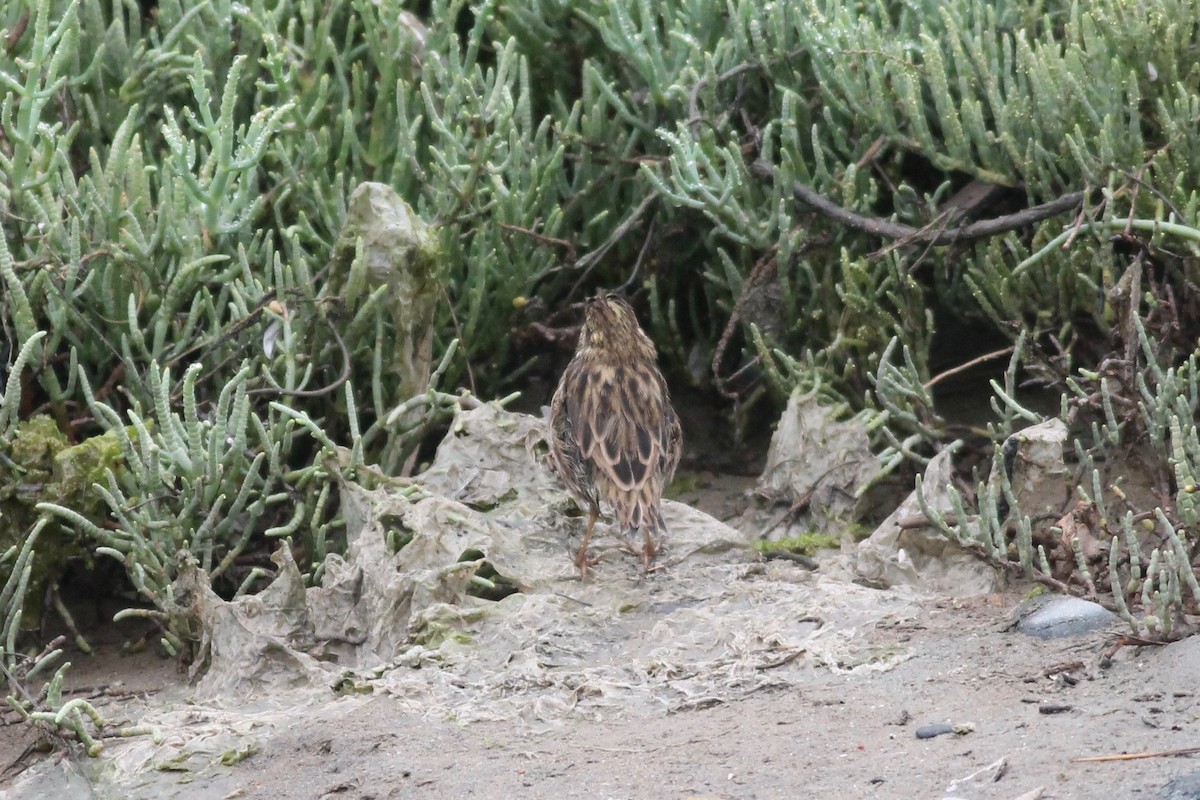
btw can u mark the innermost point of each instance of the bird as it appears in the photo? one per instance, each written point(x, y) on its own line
point(615, 437)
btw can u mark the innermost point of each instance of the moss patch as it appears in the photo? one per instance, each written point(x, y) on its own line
point(804, 544)
point(41, 466)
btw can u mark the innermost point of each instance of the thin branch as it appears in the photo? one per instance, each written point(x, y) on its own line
point(1183, 751)
point(458, 331)
point(641, 259)
point(541, 237)
point(762, 272)
point(962, 367)
point(694, 95)
point(279, 391)
point(237, 326)
point(14, 35)
point(887, 229)
point(589, 261)
point(1137, 179)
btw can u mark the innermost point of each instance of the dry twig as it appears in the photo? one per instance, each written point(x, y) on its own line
point(887, 229)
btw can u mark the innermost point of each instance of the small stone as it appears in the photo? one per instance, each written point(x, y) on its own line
point(1065, 616)
point(1185, 787)
point(937, 729)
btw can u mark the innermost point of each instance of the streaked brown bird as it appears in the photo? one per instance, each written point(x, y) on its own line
point(616, 439)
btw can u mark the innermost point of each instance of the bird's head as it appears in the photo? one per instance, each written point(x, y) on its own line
point(610, 324)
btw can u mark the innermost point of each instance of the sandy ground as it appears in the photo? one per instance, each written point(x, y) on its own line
point(828, 735)
point(1026, 710)
point(825, 735)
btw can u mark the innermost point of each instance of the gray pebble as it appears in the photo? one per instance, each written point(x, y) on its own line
point(1065, 616)
point(1185, 787)
point(937, 729)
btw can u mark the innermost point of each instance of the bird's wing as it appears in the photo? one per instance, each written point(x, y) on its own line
point(627, 451)
point(618, 427)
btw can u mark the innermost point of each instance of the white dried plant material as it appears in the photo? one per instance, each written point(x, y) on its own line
point(491, 455)
point(818, 457)
point(388, 244)
point(257, 642)
point(712, 635)
point(711, 627)
point(195, 739)
point(1041, 481)
point(921, 556)
point(270, 337)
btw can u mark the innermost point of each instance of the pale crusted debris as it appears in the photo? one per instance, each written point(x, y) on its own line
point(713, 625)
point(817, 461)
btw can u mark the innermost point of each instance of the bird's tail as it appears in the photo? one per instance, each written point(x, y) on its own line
point(644, 513)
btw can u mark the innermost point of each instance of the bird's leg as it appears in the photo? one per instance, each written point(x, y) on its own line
point(649, 551)
point(581, 558)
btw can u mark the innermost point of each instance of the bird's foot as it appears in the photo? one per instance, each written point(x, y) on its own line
point(584, 562)
point(649, 551)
